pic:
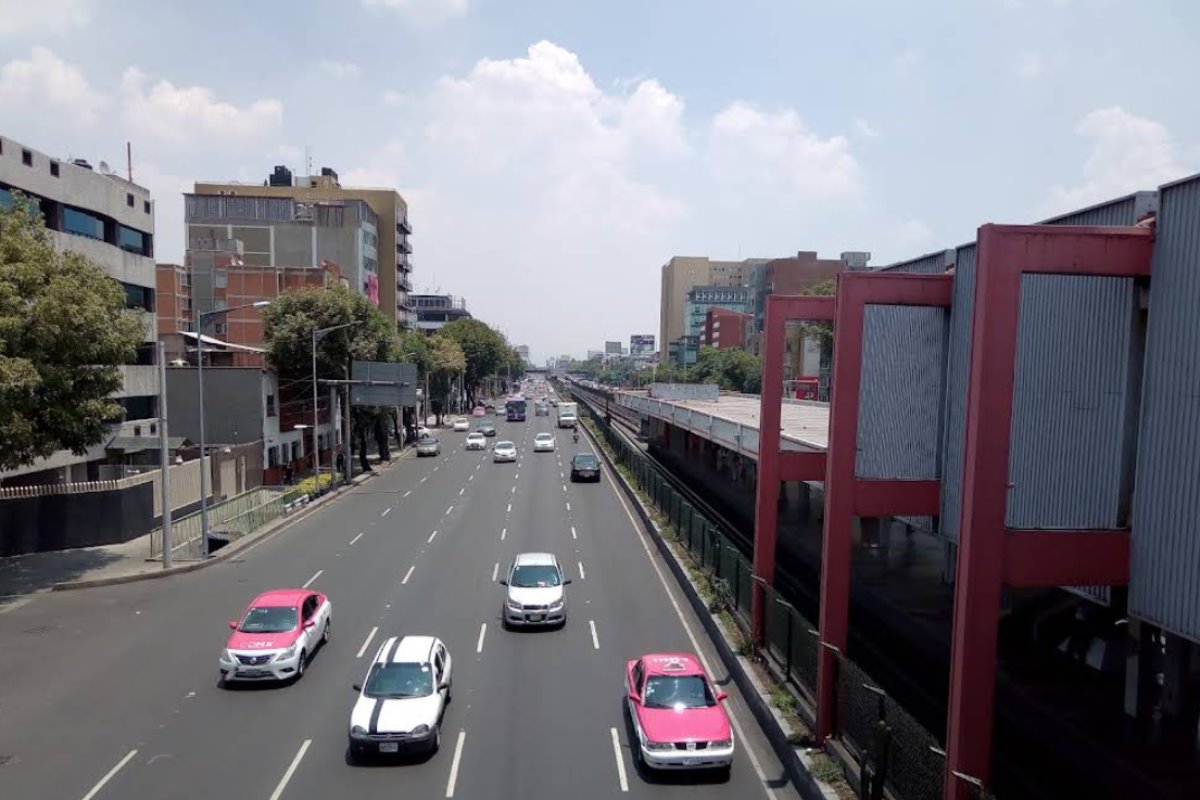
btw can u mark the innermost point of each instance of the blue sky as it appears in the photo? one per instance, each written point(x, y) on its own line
point(554, 154)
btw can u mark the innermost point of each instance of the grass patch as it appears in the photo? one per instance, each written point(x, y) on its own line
point(825, 769)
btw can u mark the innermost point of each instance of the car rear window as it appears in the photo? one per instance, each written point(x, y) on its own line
point(585, 461)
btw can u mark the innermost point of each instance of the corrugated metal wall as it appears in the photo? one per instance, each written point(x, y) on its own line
point(958, 364)
point(930, 264)
point(1165, 569)
point(900, 399)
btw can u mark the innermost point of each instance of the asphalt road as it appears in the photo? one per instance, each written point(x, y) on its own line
point(112, 692)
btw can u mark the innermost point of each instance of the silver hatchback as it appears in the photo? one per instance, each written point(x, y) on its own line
point(535, 595)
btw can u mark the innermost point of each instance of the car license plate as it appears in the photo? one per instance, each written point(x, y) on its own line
point(253, 673)
point(536, 617)
point(691, 762)
point(389, 747)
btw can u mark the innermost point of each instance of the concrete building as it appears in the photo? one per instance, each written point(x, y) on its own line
point(523, 352)
point(793, 275)
point(680, 275)
point(229, 283)
point(111, 221)
point(684, 351)
point(701, 298)
point(724, 329)
point(365, 231)
point(435, 310)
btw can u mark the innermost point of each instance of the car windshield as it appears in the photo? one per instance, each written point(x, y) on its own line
point(585, 461)
point(505, 446)
point(399, 680)
point(678, 691)
point(269, 619)
point(428, 440)
point(544, 437)
point(535, 576)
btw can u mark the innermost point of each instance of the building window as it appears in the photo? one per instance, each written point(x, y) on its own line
point(54, 168)
point(133, 241)
point(129, 200)
point(138, 296)
point(295, 451)
point(272, 457)
point(83, 223)
point(27, 158)
point(145, 355)
point(146, 206)
point(138, 407)
point(270, 405)
point(220, 279)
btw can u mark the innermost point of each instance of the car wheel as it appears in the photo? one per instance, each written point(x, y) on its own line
point(437, 739)
point(301, 664)
point(449, 692)
point(325, 633)
point(723, 773)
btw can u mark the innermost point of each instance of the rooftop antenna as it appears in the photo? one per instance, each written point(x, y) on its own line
point(308, 161)
point(129, 160)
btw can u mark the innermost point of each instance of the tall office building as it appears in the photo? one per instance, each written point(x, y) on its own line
point(111, 221)
point(434, 311)
point(301, 221)
point(679, 276)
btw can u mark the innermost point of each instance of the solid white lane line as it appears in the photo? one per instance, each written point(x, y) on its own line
point(314, 577)
point(495, 571)
point(482, 633)
point(355, 539)
point(503, 533)
point(448, 510)
point(408, 574)
point(616, 740)
point(582, 574)
point(454, 764)
point(406, 494)
point(595, 641)
point(370, 636)
point(642, 537)
point(430, 539)
point(287, 776)
point(108, 776)
point(574, 535)
point(386, 511)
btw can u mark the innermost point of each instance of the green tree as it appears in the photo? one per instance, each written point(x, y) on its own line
point(732, 369)
point(822, 332)
point(447, 361)
point(64, 331)
point(484, 349)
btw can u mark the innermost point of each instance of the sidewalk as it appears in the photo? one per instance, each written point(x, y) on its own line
point(24, 575)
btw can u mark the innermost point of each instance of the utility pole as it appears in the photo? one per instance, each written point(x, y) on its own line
point(164, 454)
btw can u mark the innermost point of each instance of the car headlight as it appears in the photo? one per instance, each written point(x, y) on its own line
point(226, 655)
point(652, 745)
point(420, 730)
point(721, 744)
point(556, 605)
point(514, 606)
point(358, 730)
point(286, 654)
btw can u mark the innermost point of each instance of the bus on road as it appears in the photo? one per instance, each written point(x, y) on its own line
point(514, 408)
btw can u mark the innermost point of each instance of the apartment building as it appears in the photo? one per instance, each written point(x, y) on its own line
point(302, 221)
point(701, 298)
point(219, 279)
point(724, 329)
point(679, 276)
point(94, 212)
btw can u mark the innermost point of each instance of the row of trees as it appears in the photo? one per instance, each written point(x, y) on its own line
point(731, 369)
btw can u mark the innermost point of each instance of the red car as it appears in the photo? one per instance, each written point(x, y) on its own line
point(276, 636)
point(677, 714)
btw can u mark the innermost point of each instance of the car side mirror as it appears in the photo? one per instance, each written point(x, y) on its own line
point(357, 687)
point(722, 697)
point(443, 685)
point(567, 582)
point(502, 582)
point(633, 696)
point(312, 623)
point(233, 624)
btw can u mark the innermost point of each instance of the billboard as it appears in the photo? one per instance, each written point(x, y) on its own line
point(397, 384)
point(641, 344)
point(612, 348)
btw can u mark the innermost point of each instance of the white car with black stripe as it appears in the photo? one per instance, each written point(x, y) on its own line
point(402, 701)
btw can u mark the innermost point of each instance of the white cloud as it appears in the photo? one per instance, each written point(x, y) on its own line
point(653, 116)
point(906, 61)
point(381, 168)
point(752, 148)
point(43, 16)
point(167, 189)
point(339, 69)
point(393, 98)
point(44, 82)
point(423, 11)
point(864, 129)
point(183, 115)
point(1028, 65)
point(1128, 153)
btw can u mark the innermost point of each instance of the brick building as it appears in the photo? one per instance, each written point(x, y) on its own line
point(725, 328)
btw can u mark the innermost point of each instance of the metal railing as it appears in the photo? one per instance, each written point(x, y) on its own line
point(230, 519)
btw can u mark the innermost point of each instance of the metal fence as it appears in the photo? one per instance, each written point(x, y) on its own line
point(877, 730)
point(231, 519)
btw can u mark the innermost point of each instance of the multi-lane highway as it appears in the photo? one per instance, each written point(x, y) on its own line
point(113, 692)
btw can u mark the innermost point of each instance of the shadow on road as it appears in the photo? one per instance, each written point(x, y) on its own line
point(33, 572)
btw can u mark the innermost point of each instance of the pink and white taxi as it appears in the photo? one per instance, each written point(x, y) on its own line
point(276, 636)
point(677, 714)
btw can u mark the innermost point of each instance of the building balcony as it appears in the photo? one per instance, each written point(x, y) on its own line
point(402, 245)
point(403, 225)
point(403, 282)
point(404, 264)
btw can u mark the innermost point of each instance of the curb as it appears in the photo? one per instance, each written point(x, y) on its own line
point(797, 774)
point(226, 552)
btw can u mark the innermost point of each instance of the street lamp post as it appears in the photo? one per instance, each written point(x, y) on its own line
point(316, 337)
point(200, 318)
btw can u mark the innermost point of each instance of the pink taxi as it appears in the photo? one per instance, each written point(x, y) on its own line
point(276, 636)
point(677, 714)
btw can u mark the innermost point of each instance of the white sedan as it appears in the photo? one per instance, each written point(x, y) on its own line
point(543, 443)
point(504, 451)
point(401, 704)
point(476, 441)
point(461, 424)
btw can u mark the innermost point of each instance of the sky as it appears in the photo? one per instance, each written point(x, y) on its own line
point(555, 154)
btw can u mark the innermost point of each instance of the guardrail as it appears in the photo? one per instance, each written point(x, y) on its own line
point(231, 519)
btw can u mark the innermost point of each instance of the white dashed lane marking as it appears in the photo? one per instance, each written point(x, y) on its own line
point(308, 582)
point(370, 636)
point(108, 776)
point(408, 574)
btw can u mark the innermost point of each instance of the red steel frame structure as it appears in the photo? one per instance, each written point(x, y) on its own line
point(992, 555)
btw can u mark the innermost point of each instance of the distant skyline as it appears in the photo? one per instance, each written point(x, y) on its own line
point(555, 155)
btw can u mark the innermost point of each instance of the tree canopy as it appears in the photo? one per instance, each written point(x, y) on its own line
point(64, 331)
point(484, 348)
